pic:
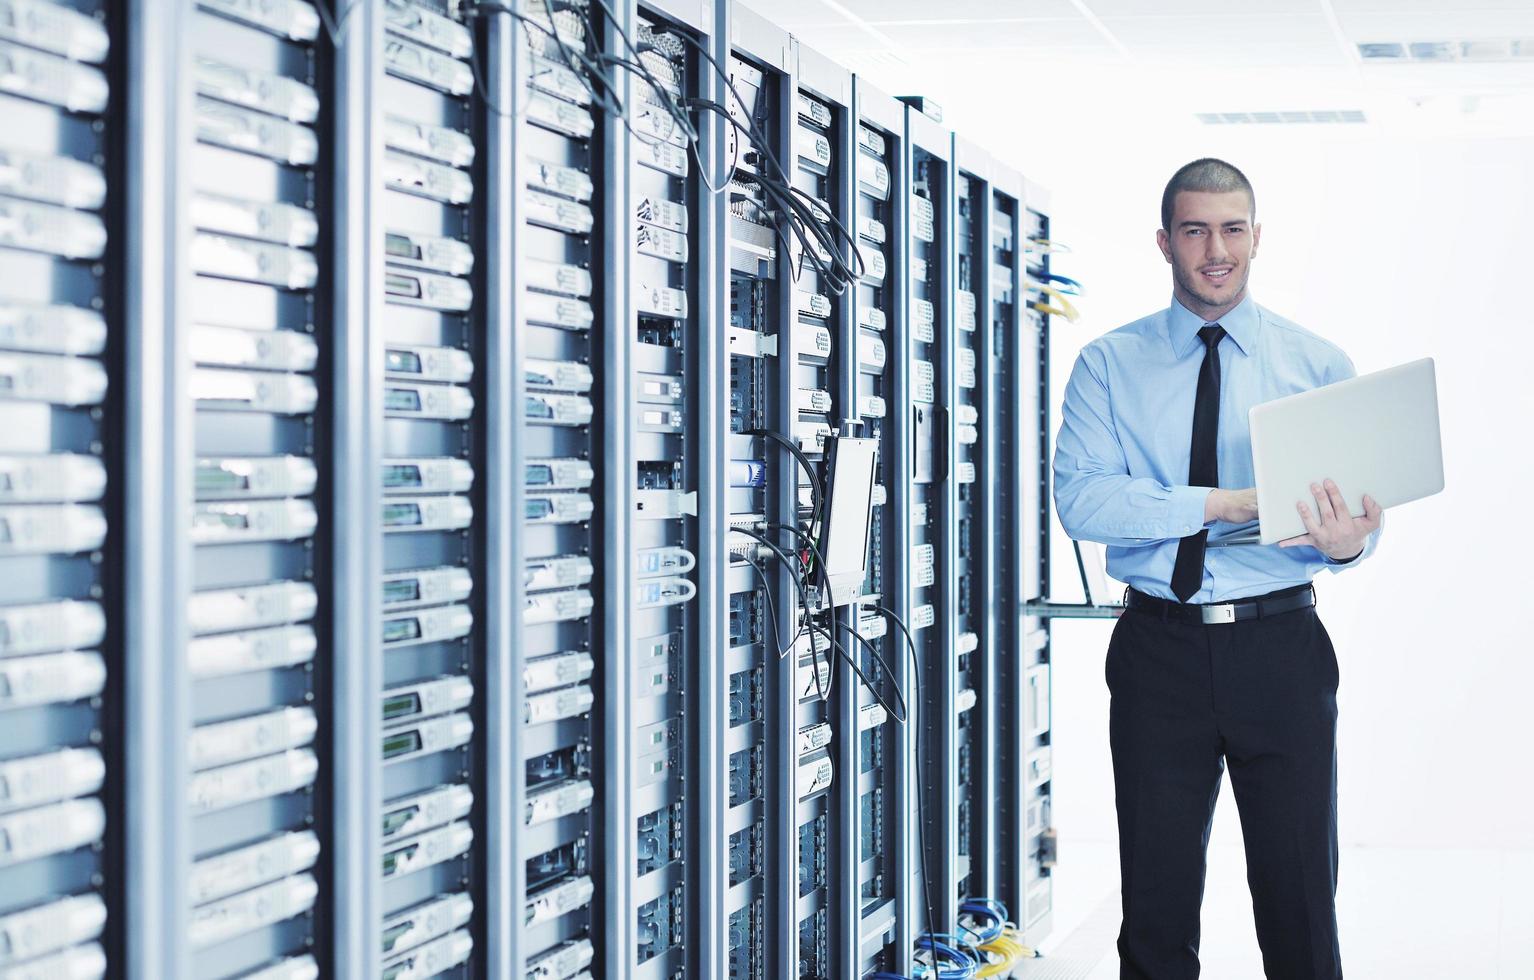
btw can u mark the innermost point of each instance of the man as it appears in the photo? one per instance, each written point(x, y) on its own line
point(1220, 656)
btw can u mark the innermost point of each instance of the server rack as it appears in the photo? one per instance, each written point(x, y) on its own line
point(885, 891)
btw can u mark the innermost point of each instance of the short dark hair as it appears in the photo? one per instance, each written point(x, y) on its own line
point(1208, 175)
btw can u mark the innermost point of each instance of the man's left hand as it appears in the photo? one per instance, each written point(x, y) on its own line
point(1333, 531)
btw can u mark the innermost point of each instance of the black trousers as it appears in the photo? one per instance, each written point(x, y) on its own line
point(1260, 695)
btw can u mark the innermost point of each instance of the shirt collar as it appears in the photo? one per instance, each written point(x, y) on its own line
point(1241, 325)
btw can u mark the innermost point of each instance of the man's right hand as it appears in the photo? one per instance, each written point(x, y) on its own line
point(1231, 506)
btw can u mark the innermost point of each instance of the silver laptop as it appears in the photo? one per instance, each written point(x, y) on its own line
point(1375, 434)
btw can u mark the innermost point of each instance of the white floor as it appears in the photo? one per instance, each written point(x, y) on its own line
point(1403, 914)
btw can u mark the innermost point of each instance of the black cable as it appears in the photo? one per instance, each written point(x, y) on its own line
point(901, 716)
point(921, 798)
point(772, 607)
point(817, 489)
point(798, 585)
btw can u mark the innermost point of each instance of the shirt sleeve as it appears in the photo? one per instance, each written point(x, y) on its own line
point(1095, 496)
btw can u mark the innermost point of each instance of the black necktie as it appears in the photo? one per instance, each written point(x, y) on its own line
point(1203, 461)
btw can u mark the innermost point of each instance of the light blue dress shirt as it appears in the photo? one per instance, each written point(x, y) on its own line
point(1121, 460)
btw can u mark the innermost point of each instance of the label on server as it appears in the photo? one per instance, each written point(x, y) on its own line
point(919, 514)
point(654, 593)
point(258, 262)
point(433, 292)
point(431, 848)
point(263, 91)
point(48, 928)
point(433, 252)
point(432, 959)
point(660, 243)
point(451, 513)
point(923, 616)
point(260, 907)
point(547, 409)
point(815, 112)
point(965, 700)
point(964, 310)
point(966, 359)
point(871, 407)
point(923, 566)
point(871, 716)
point(658, 155)
point(871, 354)
point(48, 778)
point(231, 127)
point(413, 702)
point(965, 472)
point(557, 607)
point(437, 143)
point(292, 968)
point(556, 670)
point(432, 918)
point(873, 230)
point(51, 179)
point(660, 300)
point(873, 178)
point(652, 123)
point(560, 116)
point(814, 304)
point(812, 341)
point(967, 435)
point(662, 213)
point(419, 24)
point(264, 476)
point(872, 141)
point(558, 473)
point(427, 401)
point(871, 317)
point(262, 520)
point(54, 230)
point(229, 786)
point(880, 495)
point(874, 268)
point(558, 508)
point(421, 65)
point(217, 389)
point(557, 311)
point(564, 572)
point(966, 414)
point(558, 899)
point(918, 269)
point(225, 742)
point(658, 389)
point(54, 678)
point(563, 375)
point(294, 19)
point(550, 706)
point(428, 363)
point(224, 654)
point(429, 474)
point(923, 382)
point(66, 624)
point(559, 800)
point(436, 624)
point(923, 219)
point(544, 75)
point(813, 149)
point(426, 586)
point(923, 319)
point(52, 329)
point(54, 28)
point(814, 737)
point(556, 178)
point(425, 179)
point(562, 962)
point(967, 643)
point(244, 868)
point(407, 815)
point(812, 436)
point(556, 277)
point(427, 737)
point(815, 777)
point(270, 350)
point(815, 400)
point(48, 78)
point(51, 529)
point(48, 830)
point(659, 505)
point(872, 626)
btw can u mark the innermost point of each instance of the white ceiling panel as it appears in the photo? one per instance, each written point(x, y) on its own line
point(1221, 30)
point(1005, 34)
point(1461, 24)
point(1447, 8)
point(791, 12)
point(1205, 8)
point(885, 11)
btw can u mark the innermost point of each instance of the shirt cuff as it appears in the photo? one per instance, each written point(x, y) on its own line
point(1186, 511)
point(1346, 561)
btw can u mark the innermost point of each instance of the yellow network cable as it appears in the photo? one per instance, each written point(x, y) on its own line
point(1065, 308)
point(1043, 246)
point(1008, 950)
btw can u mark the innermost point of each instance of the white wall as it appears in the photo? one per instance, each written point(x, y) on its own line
point(1394, 247)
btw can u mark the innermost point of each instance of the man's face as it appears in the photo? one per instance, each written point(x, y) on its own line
point(1211, 246)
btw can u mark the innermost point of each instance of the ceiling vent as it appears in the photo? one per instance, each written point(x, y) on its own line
point(1302, 117)
point(1421, 52)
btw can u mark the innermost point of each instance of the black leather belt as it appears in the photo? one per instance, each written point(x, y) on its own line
point(1256, 607)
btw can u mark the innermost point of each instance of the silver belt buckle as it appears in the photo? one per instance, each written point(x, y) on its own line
point(1224, 612)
